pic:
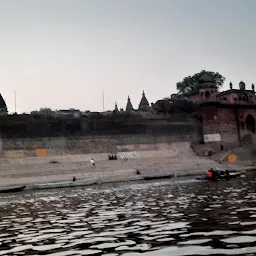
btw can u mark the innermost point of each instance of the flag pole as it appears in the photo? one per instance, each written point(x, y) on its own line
point(103, 101)
point(15, 101)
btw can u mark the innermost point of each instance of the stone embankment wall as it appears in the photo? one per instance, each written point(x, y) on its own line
point(61, 146)
point(122, 144)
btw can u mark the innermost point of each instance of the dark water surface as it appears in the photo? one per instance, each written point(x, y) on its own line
point(146, 218)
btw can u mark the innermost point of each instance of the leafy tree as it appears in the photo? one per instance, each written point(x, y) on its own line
point(190, 84)
point(43, 112)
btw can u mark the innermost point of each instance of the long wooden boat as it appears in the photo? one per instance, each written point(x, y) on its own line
point(158, 177)
point(11, 190)
point(232, 175)
point(63, 184)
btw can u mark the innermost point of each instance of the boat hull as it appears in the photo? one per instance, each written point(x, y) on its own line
point(158, 177)
point(63, 184)
point(222, 177)
point(11, 190)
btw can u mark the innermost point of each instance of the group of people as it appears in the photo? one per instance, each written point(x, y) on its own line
point(112, 157)
point(217, 174)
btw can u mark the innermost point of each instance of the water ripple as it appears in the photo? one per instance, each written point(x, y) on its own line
point(143, 218)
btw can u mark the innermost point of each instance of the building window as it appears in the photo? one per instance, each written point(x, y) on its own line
point(250, 123)
point(207, 94)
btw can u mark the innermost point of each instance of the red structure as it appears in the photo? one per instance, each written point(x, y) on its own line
point(228, 117)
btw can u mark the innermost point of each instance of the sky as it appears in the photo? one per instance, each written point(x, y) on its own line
point(63, 54)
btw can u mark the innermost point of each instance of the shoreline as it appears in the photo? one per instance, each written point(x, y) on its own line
point(182, 162)
point(141, 178)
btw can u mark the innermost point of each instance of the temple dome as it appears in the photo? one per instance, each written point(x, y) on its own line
point(242, 85)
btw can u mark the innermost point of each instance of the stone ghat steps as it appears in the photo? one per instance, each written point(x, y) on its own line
point(171, 155)
point(104, 175)
point(120, 175)
point(105, 165)
point(39, 169)
point(144, 168)
point(97, 157)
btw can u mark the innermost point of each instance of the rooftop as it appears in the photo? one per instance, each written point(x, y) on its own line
point(234, 91)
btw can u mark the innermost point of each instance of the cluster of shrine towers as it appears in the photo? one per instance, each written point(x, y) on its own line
point(143, 106)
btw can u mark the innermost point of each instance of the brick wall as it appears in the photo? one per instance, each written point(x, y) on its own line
point(229, 122)
point(210, 121)
point(228, 127)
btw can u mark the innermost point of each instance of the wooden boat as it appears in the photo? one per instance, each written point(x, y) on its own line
point(232, 175)
point(63, 184)
point(11, 190)
point(158, 177)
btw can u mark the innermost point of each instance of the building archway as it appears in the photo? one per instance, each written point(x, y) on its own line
point(250, 123)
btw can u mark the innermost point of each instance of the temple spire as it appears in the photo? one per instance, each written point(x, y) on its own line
point(129, 107)
point(144, 105)
point(116, 108)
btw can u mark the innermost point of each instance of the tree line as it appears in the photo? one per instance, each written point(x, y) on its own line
point(191, 84)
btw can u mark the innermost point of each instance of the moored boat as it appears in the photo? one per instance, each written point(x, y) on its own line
point(158, 177)
point(13, 189)
point(232, 175)
point(63, 184)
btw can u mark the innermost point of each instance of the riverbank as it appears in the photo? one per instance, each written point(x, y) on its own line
point(176, 162)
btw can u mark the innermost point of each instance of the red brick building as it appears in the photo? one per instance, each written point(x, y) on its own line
point(228, 117)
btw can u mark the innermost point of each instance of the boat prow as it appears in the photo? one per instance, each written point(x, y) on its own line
point(13, 189)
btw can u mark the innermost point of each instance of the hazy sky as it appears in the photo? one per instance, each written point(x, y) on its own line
point(63, 53)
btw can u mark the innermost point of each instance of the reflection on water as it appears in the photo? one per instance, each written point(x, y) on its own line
point(152, 218)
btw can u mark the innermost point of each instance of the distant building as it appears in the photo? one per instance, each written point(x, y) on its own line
point(69, 112)
point(116, 110)
point(144, 105)
point(3, 107)
point(129, 107)
point(228, 117)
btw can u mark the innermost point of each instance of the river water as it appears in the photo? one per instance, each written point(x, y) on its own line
point(169, 217)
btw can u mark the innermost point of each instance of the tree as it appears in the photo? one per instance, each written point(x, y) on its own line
point(43, 112)
point(191, 84)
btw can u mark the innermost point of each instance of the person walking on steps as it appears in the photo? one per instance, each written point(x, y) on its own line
point(92, 163)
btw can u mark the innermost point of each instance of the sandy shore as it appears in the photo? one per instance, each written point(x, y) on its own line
point(64, 167)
